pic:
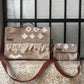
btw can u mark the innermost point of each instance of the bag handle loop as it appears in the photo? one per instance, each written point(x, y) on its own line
point(25, 23)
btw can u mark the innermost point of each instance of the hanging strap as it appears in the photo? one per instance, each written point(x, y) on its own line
point(3, 61)
point(62, 72)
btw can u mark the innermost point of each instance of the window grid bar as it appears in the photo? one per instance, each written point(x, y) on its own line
point(50, 10)
point(4, 6)
point(21, 10)
point(4, 12)
point(36, 12)
point(45, 20)
point(79, 29)
point(65, 6)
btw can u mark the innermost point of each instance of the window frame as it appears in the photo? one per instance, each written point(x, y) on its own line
point(50, 20)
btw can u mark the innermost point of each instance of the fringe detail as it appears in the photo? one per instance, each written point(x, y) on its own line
point(27, 47)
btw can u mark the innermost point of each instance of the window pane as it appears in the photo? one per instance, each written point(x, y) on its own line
point(72, 33)
point(72, 8)
point(13, 24)
point(82, 40)
point(13, 9)
point(57, 32)
point(43, 24)
point(82, 14)
point(28, 8)
point(57, 8)
point(42, 8)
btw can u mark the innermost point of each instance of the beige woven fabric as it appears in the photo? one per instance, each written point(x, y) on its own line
point(65, 51)
point(27, 43)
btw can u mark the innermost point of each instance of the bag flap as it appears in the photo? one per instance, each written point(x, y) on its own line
point(61, 47)
point(27, 43)
point(27, 35)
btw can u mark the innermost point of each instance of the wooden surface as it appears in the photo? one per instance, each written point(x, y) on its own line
point(27, 69)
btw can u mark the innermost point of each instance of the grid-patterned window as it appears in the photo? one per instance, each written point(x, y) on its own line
point(65, 17)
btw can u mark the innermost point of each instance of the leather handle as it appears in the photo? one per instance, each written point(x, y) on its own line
point(25, 23)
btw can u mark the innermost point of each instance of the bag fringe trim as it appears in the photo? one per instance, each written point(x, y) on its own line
point(27, 47)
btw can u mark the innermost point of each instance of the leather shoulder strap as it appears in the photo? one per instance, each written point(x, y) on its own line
point(3, 61)
point(62, 72)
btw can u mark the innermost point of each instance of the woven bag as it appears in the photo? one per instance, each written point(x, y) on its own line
point(65, 52)
point(27, 43)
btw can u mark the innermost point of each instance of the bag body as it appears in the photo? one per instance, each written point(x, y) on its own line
point(32, 43)
point(27, 43)
point(65, 51)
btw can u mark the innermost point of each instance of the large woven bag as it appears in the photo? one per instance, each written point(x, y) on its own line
point(27, 43)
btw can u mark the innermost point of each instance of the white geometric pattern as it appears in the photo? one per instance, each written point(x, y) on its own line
point(72, 44)
point(36, 29)
point(24, 36)
point(66, 46)
point(15, 57)
point(28, 29)
point(44, 29)
point(40, 36)
point(59, 44)
point(32, 36)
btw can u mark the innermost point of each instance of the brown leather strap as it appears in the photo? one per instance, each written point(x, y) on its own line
point(25, 23)
point(62, 72)
point(3, 61)
point(59, 68)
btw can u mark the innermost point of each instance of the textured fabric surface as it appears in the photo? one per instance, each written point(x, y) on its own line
point(27, 43)
point(27, 69)
point(65, 51)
